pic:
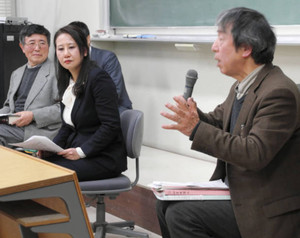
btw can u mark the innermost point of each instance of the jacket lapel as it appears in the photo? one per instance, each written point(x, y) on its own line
point(243, 115)
point(17, 80)
point(227, 111)
point(75, 109)
point(250, 98)
point(38, 84)
point(16, 84)
point(78, 101)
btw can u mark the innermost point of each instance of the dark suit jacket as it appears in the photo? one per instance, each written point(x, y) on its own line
point(97, 127)
point(108, 61)
point(262, 157)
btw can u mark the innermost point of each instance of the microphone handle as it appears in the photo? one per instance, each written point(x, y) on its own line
point(187, 92)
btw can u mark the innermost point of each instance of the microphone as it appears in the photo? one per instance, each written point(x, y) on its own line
point(190, 80)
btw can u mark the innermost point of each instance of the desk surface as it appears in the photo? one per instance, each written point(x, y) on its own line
point(21, 172)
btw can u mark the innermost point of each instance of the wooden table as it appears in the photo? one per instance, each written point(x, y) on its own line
point(39, 199)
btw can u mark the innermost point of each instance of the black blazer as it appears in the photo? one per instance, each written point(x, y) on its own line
point(96, 120)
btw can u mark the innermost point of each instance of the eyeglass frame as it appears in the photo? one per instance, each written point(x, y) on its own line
point(32, 44)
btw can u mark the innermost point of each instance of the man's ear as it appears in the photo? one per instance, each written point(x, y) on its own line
point(247, 51)
point(22, 47)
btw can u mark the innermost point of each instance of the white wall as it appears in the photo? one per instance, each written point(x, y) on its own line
point(54, 14)
point(154, 72)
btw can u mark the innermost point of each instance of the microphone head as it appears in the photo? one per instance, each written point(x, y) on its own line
point(190, 80)
point(191, 77)
point(192, 74)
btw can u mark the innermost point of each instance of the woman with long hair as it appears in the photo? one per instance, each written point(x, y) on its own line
point(91, 134)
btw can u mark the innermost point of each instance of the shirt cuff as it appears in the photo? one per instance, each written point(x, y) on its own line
point(80, 152)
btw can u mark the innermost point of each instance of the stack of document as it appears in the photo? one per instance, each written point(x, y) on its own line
point(39, 143)
point(212, 190)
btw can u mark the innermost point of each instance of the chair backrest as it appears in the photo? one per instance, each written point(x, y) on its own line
point(132, 124)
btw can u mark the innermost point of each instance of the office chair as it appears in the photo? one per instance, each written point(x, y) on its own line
point(132, 124)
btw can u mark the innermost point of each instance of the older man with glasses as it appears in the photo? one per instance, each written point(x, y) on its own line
point(33, 91)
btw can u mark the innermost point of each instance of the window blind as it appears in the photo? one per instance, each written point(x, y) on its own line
point(7, 8)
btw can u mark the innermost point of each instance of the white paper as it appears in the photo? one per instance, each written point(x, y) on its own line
point(161, 185)
point(39, 143)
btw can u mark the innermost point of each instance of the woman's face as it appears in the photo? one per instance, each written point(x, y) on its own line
point(68, 54)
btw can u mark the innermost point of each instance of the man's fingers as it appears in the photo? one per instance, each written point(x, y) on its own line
point(172, 117)
point(172, 107)
point(170, 127)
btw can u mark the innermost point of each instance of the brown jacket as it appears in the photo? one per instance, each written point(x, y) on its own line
point(261, 157)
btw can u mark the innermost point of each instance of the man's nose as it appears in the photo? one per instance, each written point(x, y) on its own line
point(214, 46)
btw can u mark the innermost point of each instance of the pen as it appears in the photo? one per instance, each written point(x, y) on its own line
point(144, 36)
point(147, 36)
point(130, 36)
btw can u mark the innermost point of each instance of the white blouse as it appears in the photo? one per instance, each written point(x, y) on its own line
point(68, 100)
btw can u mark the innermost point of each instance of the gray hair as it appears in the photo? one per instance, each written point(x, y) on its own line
point(249, 28)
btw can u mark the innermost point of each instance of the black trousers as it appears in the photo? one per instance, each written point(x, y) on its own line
point(197, 219)
point(86, 169)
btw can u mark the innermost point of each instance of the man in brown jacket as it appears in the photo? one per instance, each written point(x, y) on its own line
point(254, 133)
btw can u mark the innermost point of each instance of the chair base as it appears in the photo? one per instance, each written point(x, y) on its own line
point(117, 228)
point(101, 227)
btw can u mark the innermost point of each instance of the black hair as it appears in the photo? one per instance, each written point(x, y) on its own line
point(63, 75)
point(82, 27)
point(31, 29)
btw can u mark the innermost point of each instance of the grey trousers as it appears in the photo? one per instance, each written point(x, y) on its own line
point(197, 219)
point(10, 134)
